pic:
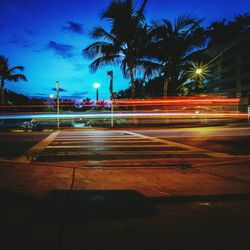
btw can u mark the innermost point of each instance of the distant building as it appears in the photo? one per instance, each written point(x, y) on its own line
point(229, 75)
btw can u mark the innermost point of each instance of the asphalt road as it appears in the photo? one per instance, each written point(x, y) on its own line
point(129, 144)
point(15, 144)
point(230, 140)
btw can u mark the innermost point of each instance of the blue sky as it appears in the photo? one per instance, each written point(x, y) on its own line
point(47, 37)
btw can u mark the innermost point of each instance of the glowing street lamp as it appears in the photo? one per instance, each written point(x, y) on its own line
point(198, 71)
point(51, 101)
point(97, 86)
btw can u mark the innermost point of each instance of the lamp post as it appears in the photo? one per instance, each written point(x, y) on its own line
point(97, 86)
point(110, 73)
point(58, 104)
point(51, 97)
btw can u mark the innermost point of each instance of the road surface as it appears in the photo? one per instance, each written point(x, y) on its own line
point(126, 189)
point(207, 144)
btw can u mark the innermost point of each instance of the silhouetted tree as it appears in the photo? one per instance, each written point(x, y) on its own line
point(7, 73)
point(223, 32)
point(175, 46)
point(139, 90)
point(125, 41)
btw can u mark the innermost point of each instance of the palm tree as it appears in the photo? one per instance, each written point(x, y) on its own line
point(8, 74)
point(224, 32)
point(124, 43)
point(175, 46)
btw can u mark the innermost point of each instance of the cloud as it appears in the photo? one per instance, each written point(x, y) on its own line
point(73, 27)
point(78, 95)
point(80, 66)
point(21, 42)
point(60, 89)
point(64, 50)
point(30, 32)
point(39, 94)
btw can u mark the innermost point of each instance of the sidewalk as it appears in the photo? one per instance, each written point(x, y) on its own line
point(61, 207)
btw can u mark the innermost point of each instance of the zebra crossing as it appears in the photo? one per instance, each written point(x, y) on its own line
point(94, 145)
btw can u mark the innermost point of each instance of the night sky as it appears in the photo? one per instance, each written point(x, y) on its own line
point(47, 37)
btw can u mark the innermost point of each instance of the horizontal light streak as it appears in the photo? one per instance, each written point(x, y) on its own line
point(179, 101)
point(125, 115)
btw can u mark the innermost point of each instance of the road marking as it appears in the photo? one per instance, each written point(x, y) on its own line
point(91, 139)
point(109, 146)
point(203, 135)
point(33, 152)
point(180, 145)
point(81, 153)
point(55, 142)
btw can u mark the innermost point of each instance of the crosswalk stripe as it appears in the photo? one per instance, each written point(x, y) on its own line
point(37, 149)
point(91, 139)
point(109, 146)
point(124, 144)
point(180, 145)
point(102, 142)
point(81, 153)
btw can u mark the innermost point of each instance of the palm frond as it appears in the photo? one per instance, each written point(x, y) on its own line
point(103, 61)
point(140, 13)
point(124, 69)
point(168, 26)
point(150, 68)
point(99, 32)
point(17, 77)
point(21, 68)
point(142, 8)
point(99, 48)
point(197, 56)
point(183, 22)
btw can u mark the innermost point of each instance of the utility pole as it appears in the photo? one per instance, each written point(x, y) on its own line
point(110, 73)
point(58, 104)
point(97, 86)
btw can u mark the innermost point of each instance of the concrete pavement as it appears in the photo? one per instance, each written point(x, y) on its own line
point(51, 206)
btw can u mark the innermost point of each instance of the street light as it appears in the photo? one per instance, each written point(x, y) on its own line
point(198, 71)
point(97, 86)
point(51, 101)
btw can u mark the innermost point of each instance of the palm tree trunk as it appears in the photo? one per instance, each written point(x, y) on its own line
point(165, 86)
point(132, 78)
point(2, 92)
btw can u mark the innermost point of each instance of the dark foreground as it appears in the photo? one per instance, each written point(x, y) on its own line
point(127, 190)
point(53, 207)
